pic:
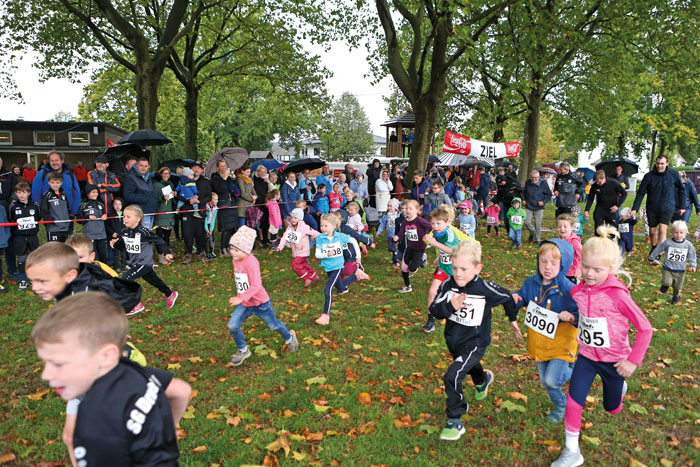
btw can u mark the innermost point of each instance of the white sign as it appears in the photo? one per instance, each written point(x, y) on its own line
point(133, 245)
point(332, 249)
point(593, 332)
point(677, 254)
point(541, 320)
point(472, 312)
point(517, 220)
point(623, 227)
point(445, 258)
point(293, 237)
point(490, 220)
point(242, 283)
point(412, 235)
point(167, 192)
point(26, 223)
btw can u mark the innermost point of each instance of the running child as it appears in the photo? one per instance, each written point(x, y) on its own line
point(414, 232)
point(515, 215)
point(80, 341)
point(272, 200)
point(298, 235)
point(467, 220)
point(115, 225)
point(626, 228)
point(329, 249)
point(388, 223)
point(579, 220)
point(353, 250)
point(251, 297)
point(605, 310)
point(210, 224)
point(25, 238)
point(139, 241)
point(680, 253)
point(493, 212)
point(94, 214)
point(443, 237)
point(400, 245)
point(551, 318)
point(466, 301)
point(85, 249)
point(55, 207)
point(565, 227)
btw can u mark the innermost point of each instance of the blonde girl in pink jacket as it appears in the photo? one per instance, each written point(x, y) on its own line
point(297, 235)
point(605, 311)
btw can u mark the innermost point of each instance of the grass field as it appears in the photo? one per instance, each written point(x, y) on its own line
point(367, 389)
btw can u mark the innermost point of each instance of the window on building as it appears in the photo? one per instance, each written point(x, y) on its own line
point(317, 151)
point(44, 138)
point(6, 138)
point(79, 138)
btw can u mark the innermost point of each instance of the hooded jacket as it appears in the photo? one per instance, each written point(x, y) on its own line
point(7, 187)
point(665, 191)
point(302, 247)
point(40, 185)
point(555, 296)
point(612, 300)
point(92, 277)
point(289, 195)
point(568, 186)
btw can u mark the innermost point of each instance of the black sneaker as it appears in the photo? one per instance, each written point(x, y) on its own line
point(663, 288)
point(23, 285)
point(675, 300)
point(429, 326)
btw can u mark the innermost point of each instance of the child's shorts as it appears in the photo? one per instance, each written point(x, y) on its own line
point(440, 275)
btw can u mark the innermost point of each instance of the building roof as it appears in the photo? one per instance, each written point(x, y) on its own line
point(49, 125)
point(258, 154)
point(379, 139)
point(405, 120)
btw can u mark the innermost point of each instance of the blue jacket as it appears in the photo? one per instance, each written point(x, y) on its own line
point(691, 197)
point(70, 186)
point(558, 292)
point(421, 189)
point(451, 190)
point(533, 194)
point(289, 197)
point(484, 185)
point(664, 190)
point(321, 203)
point(141, 192)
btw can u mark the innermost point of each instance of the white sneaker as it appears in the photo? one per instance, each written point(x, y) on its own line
point(568, 459)
point(406, 289)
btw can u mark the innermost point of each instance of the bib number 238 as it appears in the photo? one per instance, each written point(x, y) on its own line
point(593, 332)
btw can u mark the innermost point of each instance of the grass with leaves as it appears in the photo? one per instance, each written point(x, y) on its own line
point(367, 389)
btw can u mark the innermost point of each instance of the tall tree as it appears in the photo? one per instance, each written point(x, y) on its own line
point(346, 128)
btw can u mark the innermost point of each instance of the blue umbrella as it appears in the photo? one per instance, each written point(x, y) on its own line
point(587, 172)
point(269, 164)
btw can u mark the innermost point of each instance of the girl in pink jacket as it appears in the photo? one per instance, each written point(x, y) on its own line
point(297, 235)
point(605, 310)
point(275, 217)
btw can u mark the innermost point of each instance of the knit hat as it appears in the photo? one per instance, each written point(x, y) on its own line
point(187, 172)
point(90, 187)
point(516, 200)
point(394, 203)
point(465, 205)
point(244, 239)
point(298, 213)
point(626, 212)
point(576, 209)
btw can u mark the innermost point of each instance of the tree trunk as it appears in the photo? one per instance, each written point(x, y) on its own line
point(191, 122)
point(532, 127)
point(620, 146)
point(147, 81)
point(426, 112)
point(652, 156)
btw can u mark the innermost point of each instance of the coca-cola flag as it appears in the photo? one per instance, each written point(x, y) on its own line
point(459, 144)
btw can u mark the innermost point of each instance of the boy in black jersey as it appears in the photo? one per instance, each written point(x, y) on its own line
point(26, 214)
point(55, 207)
point(466, 300)
point(128, 413)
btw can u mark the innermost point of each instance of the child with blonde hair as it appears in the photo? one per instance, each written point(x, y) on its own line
point(605, 310)
point(329, 249)
point(680, 253)
point(388, 223)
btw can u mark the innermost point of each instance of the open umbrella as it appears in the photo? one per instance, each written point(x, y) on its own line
point(117, 153)
point(173, 164)
point(234, 158)
point(587, 173)
point(506, 163)
point(548, 170)
point(146, 138)
point(299, 165)
point(451, 159)
point(433, 158)
point(269, 164)
point(629, 167)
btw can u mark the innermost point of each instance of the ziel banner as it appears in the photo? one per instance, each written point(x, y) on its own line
point(459, 144)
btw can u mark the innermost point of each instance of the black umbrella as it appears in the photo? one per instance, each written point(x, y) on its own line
point(433, 158)
point(234, 158)
point(146, 138)
point(173, 164)
point(299, 165)
point(506, 163)
point(629, 167)
point(117, 153)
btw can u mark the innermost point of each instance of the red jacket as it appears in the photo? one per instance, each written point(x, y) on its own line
point(80, 173)
point(29, 175)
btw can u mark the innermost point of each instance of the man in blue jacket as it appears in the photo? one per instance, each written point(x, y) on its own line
point(536, 194)
point(665, 196)
point(420, 189)
point(70, 186)
point(138, 189)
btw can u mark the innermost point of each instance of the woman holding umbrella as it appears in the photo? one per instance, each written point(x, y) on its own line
point(260, 184)
point(228, 216)
point(248, 196)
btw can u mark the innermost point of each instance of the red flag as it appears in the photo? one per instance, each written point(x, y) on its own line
point(110, 143)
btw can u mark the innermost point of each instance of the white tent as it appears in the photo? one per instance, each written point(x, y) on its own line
point(451, 159)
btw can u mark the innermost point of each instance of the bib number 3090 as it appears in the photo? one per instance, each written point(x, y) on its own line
point(593, 332)
point(541, 320)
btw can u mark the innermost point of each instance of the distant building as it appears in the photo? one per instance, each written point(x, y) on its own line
point(24, 142)
point(314, 147)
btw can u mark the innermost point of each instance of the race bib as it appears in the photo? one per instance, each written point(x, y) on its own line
point(445, 258)
point(623, 228)
point(517, 220)
point(472, 312)
point(412, 235)
point(541, 320)
point(490, 220)
point(465, 228)
point(593, 332)
point(26, 223)
point(677, 254)
point(332, 249)
point(577, 227)
point(133, 245)
point(391, 223)
point(242, 283)
point(293, 237)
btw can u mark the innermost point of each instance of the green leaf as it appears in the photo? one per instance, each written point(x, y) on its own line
point(636, 408)
point(592, 440)
point(510, 406)
point(429, 429)
point(316, 380)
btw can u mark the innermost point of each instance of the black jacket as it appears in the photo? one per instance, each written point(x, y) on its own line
point(91, 277)
point(609, 195)
point(19, 210)
point(487, 294)
point(55, 207)
point(568, 186)
point(7, 187)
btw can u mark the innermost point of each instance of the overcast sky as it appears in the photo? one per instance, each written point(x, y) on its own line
point(42, 101)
